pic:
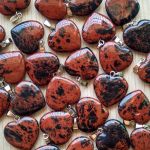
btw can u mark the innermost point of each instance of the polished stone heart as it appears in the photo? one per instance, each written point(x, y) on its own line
point(62, 92)
point(2, 33)
point(27, 35)
point(22, 133)
point(28, 99)
point(58, 125)
point(65, 38)
point(137, 36)
point(41, 67)
point(48, 147)
point(98, 27)
point(82, 63)
point(12, 67)
point(135, 107)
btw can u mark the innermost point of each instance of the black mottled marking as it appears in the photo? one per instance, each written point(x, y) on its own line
point(60, 91)
point(62, 32)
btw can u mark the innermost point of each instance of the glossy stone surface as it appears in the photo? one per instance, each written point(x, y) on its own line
point(135, 106)
point(82, 63)
point(12, 67)
point(27, 35)
point(48, 147)
point(81, 143)
point(137, 36)
point(2, 33)
point(91, 114)
point(98, 27)
point(114, 136)
point(114, 57)
point(10, 7)
point(122, 11)
point(65, 37)
point(62, 92)
point(28, 99)
point(58, 125)
point(41, 67)
point(110, 89)
point(23, 133)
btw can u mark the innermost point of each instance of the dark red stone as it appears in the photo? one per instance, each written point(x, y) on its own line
point(114, 136)
point(98, 27)
point(62, 92)
point(10, 7)
point(122, 11)
point(27, 35)
point(28, 99)
point(2, 33)
point(48, 147)
point(135, 106)
point(12, 67)
point(65, 38)
point(81, 143)
point(58, 125)
point(41, 67)
point(82, 63)
point(115, 57)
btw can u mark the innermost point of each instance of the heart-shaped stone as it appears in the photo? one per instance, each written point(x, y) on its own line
point(65, 38)
point(22, 133)
point(81, 143)
point(58, 125)
point(12, 67)
point(91, 114)
point(28, 99)
point(41, 67)
point(82, 63)
point(98, 27)
point(122, 11)
point(140, 139)
point(2, 33)
point(115, 57)
point(110, 89)
point(48, 147)
point(27, 35)
point(137, 36)
point(62, 92)
point(135, 107)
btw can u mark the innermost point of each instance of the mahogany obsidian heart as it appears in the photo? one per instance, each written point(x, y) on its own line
point(81, 143)
point(58, 125)
point(122, 11)
point(48, 147)
point(110, 89)
point(115, 57)
point(114, 136)
point(137, 36)
point(140, 139)
point(10, 7)
point(65, 38)
point(28, 99)
point(27, 35)
point(82, 63)
point(2, 33)
point(12, 67)
point(135, 106)
point(62, 92)
point(98, 27)
point(22, 133)
point(41, 67)
point(91, 114)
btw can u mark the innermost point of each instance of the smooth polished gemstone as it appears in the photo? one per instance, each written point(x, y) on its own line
point(48, 147)
point(2, 33)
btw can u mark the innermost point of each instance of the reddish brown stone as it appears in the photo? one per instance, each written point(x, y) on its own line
point(2, 33)
point(48, 147)
point(12, 67)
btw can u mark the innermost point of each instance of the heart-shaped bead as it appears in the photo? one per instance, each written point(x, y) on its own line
point(122, 11)
point(62, 92)
point(22, 133)
point(58, 125)
point(12, 67)
point(2, 33)
point(28, 99)
point(82, 63)
point(41, 67)
point(65, 38)
point(27, 35)
point(91, 114)
point(135, 106)
point(48, 147)
point(136, 36)
point(98, 27)
point(115, 57)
